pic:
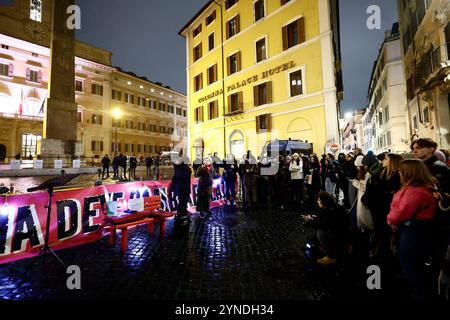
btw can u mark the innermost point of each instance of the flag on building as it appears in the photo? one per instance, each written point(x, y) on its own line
point(22, 102)
point(41, 110)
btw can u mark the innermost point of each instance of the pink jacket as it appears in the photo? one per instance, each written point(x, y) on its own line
point(417, 202)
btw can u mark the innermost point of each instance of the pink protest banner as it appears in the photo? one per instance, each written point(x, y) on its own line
point(76, 215)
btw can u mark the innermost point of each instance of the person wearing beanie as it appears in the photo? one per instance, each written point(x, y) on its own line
point(358, 161)
point(371, 162)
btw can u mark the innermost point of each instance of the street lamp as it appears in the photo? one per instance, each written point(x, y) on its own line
point(116, 113)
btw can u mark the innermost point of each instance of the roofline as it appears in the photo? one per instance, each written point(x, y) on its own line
point(148, 81)
point(375, 63)
point(195, 17)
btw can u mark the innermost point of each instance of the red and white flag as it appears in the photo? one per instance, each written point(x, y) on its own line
point(22, 102)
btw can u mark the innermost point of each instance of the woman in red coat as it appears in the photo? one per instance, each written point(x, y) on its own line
point(411, 214)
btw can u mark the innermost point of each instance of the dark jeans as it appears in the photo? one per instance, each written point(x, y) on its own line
point(230, 189)
point(415, 249)
point(116, 172)
point(149, 169)
point(105, 168)
point(343, 184)
point(297, 190)
point(203, 202)
point(133, 172)
point(183, 198)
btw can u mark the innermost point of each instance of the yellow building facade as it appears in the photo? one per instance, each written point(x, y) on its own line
point(262, 70)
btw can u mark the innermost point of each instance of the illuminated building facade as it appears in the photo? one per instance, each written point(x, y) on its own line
point(262, 70)
point(153, 116)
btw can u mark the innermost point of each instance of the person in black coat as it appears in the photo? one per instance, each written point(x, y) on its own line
point(197, 164)
point(133, 165)
point(380, 190)
point(115, 165)
point(282, 182)
point(229, 177)
point(314, 186)
point(148, 164)
point(122, 166)
point(181, 185)
point(332, 228)
point(204, 188)
point(105, 162)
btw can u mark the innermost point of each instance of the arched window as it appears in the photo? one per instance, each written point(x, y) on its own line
point(6, 107)
point(36, 10)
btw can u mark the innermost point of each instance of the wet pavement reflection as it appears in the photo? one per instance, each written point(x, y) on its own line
point(233, 254)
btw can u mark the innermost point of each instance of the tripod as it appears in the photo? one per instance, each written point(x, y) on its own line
point(50, 185)
point(46, 247)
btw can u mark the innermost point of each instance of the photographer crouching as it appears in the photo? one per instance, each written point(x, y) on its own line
point(332, 228)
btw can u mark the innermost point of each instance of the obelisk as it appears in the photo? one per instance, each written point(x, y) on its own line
point(60, 115)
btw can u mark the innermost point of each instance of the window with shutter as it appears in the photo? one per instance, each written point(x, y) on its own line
point(4, 70)
point(296, 83)
point(211, 41)
point(198, 52)
point(197, 31)
point(79, 85)
point(234, 63)
point(211, 18)
point(212, 74)
point(11, 70)
point(230, 3)
point(294, 33)
point(233, 27)
point(259, 10)
point(261, 50)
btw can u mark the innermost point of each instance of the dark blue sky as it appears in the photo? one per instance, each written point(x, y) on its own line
point(143, 37)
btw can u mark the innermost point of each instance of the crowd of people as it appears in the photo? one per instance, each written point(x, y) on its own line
point(399, 203)
point(121, 164)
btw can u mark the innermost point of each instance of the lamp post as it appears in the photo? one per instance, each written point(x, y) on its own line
point(116, 113)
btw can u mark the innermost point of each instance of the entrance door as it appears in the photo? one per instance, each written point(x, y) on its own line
point(238, 148)
point(29, 145)
point(237, 144)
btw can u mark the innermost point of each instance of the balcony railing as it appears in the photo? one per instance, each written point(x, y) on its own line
point(430, 67)
point(20, 116)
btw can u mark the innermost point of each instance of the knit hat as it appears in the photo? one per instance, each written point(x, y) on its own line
point(358, 161)
point(369, 160)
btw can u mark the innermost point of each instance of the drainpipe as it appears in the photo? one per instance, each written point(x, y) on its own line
point(223, 80)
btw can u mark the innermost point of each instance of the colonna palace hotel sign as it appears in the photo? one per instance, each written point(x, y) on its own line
point(240, 84)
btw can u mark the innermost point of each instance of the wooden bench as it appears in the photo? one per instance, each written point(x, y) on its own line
point(152, 213)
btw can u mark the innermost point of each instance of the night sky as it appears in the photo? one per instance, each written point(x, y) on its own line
point(143, 37)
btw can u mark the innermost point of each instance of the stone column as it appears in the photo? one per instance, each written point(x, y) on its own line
point(60, 116)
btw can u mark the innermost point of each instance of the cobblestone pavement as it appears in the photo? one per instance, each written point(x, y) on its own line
point(232, 255)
